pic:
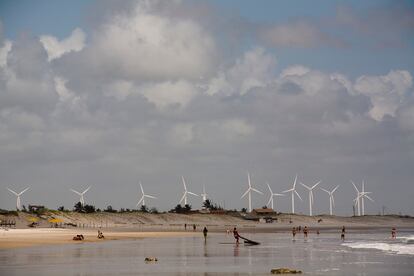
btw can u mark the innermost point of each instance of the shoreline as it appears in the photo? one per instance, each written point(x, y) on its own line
point(31, 237)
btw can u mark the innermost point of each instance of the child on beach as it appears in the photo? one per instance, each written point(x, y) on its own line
point(305, 232)
point(293, 232)
point(343, 233)
point(236, 235)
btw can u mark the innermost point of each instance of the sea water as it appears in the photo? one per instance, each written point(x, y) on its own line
point(325, 254)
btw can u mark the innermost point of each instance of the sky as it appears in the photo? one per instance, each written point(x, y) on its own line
point(107, 94)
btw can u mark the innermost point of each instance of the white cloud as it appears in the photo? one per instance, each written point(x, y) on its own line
point(254, 70)
point(166, 94)
point(4, 52)
point(148, 46)
point(386, 92)
point(55, 48)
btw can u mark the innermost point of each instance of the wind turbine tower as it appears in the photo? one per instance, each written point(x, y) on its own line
point(204, 195)
point(357, 198)
point(331, 198)
point(142, 200)
point(186, 192)
point(272, 194)
point(82, 200)
point(293, 192)
point(363, 195)
point(18, 207)
point(310, 189)
point(249, 192)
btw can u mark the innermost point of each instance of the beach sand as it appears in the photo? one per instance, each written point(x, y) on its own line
point(17, 238)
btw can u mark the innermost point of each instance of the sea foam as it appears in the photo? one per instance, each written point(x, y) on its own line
point(398, 247)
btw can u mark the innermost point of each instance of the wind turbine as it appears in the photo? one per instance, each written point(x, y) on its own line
point(331, 198)
point(272, 194)
point(142, 200)
point(82, 200)
point(293, 192)
point(186, 193)
point(18, 196)
point(357, 199)
point(363, 195)
point(204, 195)
point(249, 191)
point(310, 189)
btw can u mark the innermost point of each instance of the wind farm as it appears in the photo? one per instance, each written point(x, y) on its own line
point(206, 137)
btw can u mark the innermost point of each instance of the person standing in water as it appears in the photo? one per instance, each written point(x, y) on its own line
point(293, 232)
point(343, 233)
point(205, 234)
point(305, 232)
point(236, 235)
point(393, 233)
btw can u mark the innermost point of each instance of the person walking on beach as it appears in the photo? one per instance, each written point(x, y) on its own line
point(205, 231)
point(293, 232)
point(236, 235)
point(305, 232)
point(194, 227)
point(393, 233)
point(343, 233)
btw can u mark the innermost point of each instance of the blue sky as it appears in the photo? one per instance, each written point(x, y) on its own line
point(107, 93)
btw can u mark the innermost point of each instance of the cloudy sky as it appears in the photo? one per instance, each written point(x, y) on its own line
point(107, 94)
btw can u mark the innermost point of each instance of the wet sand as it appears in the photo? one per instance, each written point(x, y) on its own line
point(325, 254)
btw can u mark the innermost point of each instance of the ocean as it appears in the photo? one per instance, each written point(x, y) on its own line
point(362, 253)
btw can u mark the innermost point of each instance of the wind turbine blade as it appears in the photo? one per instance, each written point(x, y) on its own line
point(12, 191)
point(84, 192)
point(192, 193)
point(76, 192)
point(333, 200)
point(24, 190)
point(314, 186)
point(150, 196)
point(356, 189)
point(326, 190)
point(368, 197)
point(248, 190)
point(278, 194)
point(142, 190)
point(311, 196)
point(294, 183)
point(298, 195)
point(270, 200)
point(271, 192)
point(257, 191)
point(307, 187)
point(183, 197)
point(248, 179)
point(139, 202)
point(335, 189)
point(185, 187)
point(288, 191)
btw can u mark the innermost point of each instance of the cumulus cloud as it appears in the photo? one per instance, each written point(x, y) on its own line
point(253, 70)
point(130, 104)
point(387, 93)
point(145, 45)
point(55, 48)
point(167, 94)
